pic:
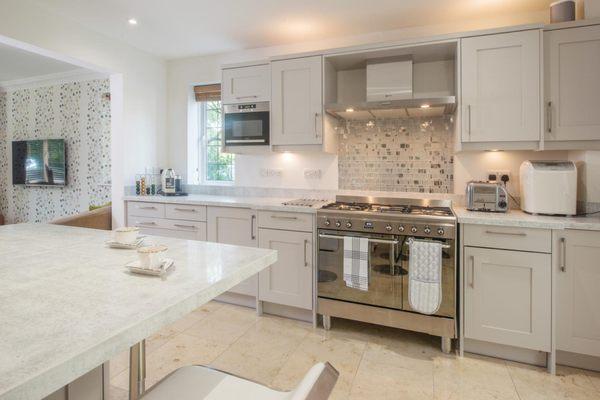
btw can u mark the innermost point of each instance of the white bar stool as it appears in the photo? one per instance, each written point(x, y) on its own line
point(203, 383)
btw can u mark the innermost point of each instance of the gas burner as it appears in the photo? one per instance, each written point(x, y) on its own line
point(341, 206)
point(436, 211)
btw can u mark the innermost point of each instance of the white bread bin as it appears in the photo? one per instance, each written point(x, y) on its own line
point(549, 187)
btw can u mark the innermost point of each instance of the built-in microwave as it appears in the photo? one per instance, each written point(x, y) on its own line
point(246, 124)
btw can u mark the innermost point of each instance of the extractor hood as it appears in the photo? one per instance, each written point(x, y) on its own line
point(415, 107)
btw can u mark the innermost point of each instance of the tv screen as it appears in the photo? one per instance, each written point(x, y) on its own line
point(39, 162)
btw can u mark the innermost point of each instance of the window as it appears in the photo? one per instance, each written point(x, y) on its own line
point(214, 166)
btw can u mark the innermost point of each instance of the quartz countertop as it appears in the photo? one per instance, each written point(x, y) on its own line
point(258, 203)
point(518, 218)
point(68, 304)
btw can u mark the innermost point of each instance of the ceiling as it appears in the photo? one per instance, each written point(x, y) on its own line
point(19, 64)
point(181, 28)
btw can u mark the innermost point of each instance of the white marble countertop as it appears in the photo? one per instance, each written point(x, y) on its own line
point(519, 218)
point(257, 203)
point(67, 304)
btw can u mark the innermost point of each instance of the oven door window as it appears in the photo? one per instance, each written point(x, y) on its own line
point(247, 126)
point(385, 275)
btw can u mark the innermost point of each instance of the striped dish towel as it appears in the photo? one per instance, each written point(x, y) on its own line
point(425, 276)
point(356, 262)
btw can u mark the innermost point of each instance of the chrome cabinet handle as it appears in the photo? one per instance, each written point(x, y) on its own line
point(246, 97)
point(472, 283)
point(147, 208)
point(563, 254)
point(506, 233)
point(185, 209)
point(305, 259)
point(185, 226)
point(252, 235)
point(549, 117)
point(145, 223)
point(283, 217)
point(469, 119)
point(316, 129)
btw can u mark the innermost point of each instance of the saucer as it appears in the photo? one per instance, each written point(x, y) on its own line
point(116, 245)
point(135, 267)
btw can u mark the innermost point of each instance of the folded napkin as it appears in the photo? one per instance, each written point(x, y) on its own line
point(356, 262)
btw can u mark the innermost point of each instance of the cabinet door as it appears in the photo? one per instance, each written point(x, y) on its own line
point(246, 84)
point(572, 78)
point(234, 226)
point(578, 294)
point(508, 297)
point(296, 106)
point(289, 280)
point(501, 87)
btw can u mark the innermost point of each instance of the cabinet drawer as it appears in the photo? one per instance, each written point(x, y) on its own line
point(289, 221)
point(186, 212)
point(145, 222)
point(512, 238)
point(196, 229)
point(144, 209)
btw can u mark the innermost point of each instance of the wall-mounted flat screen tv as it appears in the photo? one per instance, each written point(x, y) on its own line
point(39, 162)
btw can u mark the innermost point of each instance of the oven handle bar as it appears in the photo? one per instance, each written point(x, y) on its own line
point(322, 235)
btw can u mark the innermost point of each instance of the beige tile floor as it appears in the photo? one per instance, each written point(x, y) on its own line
point(374, 362)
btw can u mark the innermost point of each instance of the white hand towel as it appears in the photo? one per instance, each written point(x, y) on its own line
point(356, 262)
point(425, 276)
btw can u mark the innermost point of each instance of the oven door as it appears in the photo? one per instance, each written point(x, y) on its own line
point(246, 124)
point(448, 305)
point(385, 276)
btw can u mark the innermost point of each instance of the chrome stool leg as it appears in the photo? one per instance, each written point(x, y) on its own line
point(137, 370)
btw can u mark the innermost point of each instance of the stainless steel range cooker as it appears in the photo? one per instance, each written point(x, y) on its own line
point(387, 223)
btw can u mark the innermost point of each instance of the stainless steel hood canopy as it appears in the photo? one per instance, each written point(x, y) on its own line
point(415, 107)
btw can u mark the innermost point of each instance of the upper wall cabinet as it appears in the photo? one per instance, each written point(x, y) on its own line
point(296, 102)
point(500, 82)
point(246, 84)
point(572, 84)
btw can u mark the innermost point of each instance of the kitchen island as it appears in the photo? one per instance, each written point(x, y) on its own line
point(68, 304)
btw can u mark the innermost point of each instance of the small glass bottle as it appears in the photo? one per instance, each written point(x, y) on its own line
point(138, 189)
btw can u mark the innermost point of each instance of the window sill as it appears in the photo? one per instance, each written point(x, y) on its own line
point(216, 183)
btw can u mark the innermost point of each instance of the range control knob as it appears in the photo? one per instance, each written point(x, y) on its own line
point(440, 231)
point(338, 224)
point(427, 230)
point(327, 223)
point(401, 228)
point(413, 229)
point(348, 224)
point(388, 227)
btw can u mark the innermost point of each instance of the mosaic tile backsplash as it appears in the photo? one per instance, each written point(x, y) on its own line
point(78, 112)
point(397, 155)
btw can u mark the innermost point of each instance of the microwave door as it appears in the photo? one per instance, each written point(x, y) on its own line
point(249, 127)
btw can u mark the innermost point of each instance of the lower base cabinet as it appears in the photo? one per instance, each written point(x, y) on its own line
point(235, 226)
point(577, 270)
point(508, 297)
point(289, 280)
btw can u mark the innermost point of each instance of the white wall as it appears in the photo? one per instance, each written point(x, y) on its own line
point(182, 74)
point(138, 112)
point(588, 174)
point(475, 165)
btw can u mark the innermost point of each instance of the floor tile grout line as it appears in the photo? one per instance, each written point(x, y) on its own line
point(287, 358)
point(512, 379)
point(362, 355)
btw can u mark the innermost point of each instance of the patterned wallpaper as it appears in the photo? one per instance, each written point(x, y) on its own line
point(408, 155)
point(78, 112)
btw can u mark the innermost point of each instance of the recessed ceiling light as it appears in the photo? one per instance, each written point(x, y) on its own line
point(349, 109)
point(132, 21)
point(424, 105)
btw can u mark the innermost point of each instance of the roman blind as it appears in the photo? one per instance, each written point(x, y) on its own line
point(208, 92)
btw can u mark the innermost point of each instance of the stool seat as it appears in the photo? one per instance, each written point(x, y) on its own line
point(199, 383)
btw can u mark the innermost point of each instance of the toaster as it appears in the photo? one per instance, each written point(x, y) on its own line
point(487, 196)
point(549, 187)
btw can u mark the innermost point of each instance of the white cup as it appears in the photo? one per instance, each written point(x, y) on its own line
point(151, 257)
point(126, 234)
